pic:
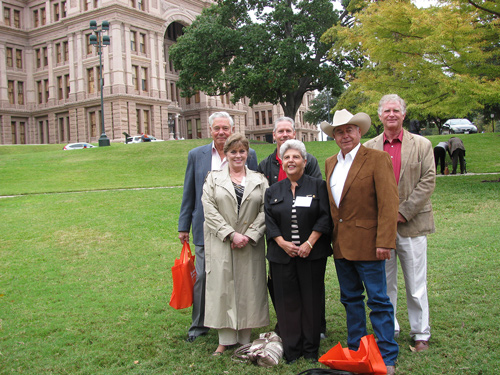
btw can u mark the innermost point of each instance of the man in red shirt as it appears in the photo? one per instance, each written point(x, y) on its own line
point(271, 166)
point(413, 162)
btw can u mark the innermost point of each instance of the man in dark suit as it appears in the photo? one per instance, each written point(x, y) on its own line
point(364, 206)
point(201, 160)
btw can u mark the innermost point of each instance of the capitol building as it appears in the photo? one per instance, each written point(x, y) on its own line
point(50, 88)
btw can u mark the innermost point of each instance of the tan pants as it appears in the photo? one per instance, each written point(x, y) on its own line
point(228, 336)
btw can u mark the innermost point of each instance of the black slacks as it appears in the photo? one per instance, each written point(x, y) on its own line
point(298, 299)
point(457, 155)
point(439, 157)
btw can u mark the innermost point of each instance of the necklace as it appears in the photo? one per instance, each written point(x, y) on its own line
point(236, 179)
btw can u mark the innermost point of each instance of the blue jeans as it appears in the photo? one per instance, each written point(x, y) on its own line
point(354, 277)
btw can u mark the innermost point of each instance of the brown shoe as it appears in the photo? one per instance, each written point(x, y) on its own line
point(421, 345)
point(391, 370)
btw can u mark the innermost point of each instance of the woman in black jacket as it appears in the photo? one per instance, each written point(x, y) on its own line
point(298, 231)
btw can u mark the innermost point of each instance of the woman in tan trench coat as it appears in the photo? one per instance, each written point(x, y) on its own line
point(236, 291)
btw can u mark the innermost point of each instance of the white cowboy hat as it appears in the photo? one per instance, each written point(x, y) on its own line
point(344, 117)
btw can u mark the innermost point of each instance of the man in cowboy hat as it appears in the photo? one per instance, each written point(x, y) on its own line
point(364, 206)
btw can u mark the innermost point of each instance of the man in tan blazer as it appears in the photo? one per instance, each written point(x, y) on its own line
point(413, 161)
point(364, 203)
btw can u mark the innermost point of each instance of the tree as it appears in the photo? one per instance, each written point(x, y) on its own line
point(268, 51)
point(486, 6)
point(443, 60)
point(321, 106)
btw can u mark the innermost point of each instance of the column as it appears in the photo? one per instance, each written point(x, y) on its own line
point(73, 71)
point(153, 67)
point(176, 126)
point(52, 83)
point(162, 86)
point(80, 71)
point(119, 81)
point(3, 75)
point(128, 60)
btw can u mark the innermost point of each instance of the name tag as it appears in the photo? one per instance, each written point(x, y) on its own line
point(303, 201)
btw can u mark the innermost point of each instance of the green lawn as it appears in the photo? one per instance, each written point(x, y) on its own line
point(47, 168)
point(85, 275)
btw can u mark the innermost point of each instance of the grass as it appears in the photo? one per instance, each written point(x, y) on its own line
point(48, 169)
point(119, 166)
point(85, 275)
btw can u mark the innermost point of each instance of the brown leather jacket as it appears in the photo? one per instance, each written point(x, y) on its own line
point(367, 216)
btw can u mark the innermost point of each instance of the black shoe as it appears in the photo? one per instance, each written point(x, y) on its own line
point(291, 361)
point(322, 336)
point(191, 338)
point(311, 358)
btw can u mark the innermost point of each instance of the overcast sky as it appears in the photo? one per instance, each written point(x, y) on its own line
point(419, 3)
point(424, 3)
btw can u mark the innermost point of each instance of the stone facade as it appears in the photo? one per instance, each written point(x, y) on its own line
point(49, 75)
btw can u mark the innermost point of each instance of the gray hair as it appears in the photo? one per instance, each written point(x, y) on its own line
point(215, 115)
point(293, 144)
point(391, 98)
point(284, 118)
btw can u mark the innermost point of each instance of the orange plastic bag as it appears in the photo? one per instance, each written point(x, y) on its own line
point(183, 277)
point(366, 360)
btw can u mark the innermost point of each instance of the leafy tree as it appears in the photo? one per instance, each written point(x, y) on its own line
point(320, 108)
point(486, 6)
point(268, 51)
point(443, 60)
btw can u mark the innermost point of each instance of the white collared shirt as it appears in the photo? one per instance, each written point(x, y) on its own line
point(217, 162)
point(339, 175)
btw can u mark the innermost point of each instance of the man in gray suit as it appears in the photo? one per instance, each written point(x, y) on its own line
point(413, 163)
point(201, 160)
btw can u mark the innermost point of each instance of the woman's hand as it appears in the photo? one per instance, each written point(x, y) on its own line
point(239, 241)
point(304, 250)
point(290, 248)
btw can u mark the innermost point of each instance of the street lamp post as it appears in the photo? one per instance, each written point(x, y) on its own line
point(492, 122)
point(99, 40)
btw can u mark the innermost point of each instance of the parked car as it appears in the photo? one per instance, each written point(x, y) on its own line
point(140, 138)
point(78, 146)
point(459, 126)
point(136, 139)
